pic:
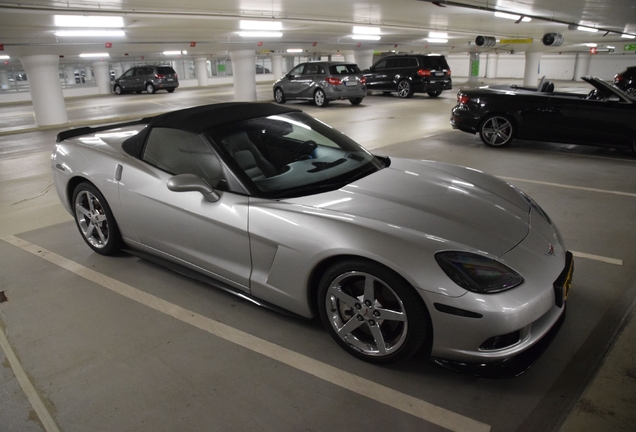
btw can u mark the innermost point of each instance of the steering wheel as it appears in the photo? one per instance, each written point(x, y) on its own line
point(302, 151)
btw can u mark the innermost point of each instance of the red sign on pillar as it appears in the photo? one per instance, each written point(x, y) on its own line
point(593, 50)
point(314, 44)
point(193, 44)
point(260, 44)
point(109, 44)
point(1, 47)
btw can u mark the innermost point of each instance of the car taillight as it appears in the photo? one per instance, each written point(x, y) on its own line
point(159, 76)
point(175, 75)
point(462, 99)
point(363, 80)
point(424, 72)
point(333, 81)
point(618, 78)
point(448, 72)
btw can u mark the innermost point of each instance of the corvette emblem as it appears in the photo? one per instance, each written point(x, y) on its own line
point(550, 251)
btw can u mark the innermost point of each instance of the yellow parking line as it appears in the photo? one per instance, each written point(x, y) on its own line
point(385, 395)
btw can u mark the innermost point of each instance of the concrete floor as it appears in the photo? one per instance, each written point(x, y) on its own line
point(119, 344)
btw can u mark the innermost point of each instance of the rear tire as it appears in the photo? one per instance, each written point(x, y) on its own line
point(170, 90)
point(150, 89)
point(95, 220)
point(434, 93)
point(320, 98)
point(497, 130)
point(356, 101)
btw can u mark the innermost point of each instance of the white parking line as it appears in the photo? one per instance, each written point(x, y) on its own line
point(385, 395)
point(629, 194)
point(27, 385)
point(598, 258)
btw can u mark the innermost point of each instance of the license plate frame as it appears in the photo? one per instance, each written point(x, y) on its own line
point(563, 284)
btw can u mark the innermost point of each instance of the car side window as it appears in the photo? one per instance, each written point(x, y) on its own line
point(298, 70)
point(140, 72)
point(129, 73)
point(393, 63)
point(380, 65)
point(410, 62)
point(180, 152)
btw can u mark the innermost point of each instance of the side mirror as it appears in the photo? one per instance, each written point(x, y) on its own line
point(192, 183)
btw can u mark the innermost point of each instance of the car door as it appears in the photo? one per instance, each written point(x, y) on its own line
point(376, 76)
point(126, 81)
point(182, 226)
point(312, 74)
point(292, 86)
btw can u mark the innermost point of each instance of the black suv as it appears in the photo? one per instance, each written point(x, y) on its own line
point(626, 81)
point(409, 73)
point(148, 78)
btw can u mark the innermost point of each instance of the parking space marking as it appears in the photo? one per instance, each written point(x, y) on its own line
point(27, 386)
point(348, 381)
point(629, 194)
point(598, 258)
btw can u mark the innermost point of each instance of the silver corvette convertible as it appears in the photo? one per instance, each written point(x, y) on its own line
point(395, 256)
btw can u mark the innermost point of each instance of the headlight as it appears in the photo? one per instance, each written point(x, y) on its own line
point(477, 273)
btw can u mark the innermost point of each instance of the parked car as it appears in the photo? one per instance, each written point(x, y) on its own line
point(606, 116)
point(261, 70)
point(394, 255)
point(148, 78)
point(407, 74)
point(322, 82)
point(626, 81)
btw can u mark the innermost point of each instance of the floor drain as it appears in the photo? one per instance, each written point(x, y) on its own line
point(3, 297)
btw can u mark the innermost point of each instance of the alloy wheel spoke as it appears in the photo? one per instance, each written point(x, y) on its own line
point(378, 337)
point(82, 210)
point(369, 292)
point(89, 229)
point(349, 327)
point(102, 237)
point(391, 315)
point(342, 296)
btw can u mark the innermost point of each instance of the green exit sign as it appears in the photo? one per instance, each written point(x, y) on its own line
point(630, 47)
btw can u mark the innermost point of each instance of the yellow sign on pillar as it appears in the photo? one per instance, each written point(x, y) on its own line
point(515, 41)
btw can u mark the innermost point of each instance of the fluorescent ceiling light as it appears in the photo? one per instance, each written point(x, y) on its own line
point(611, 47)
point(88, 33)
point(512, 16)
point(260, 25)
point(88, 21)
point(438, 35)
point(587, 29)
point(260, 34)
point(366, 30)
point(437, 40)
point(591, 45)
point(365, 37)
point(174, 52)
point(4, 57)
point(90, 55)
point(626, 36)
point(294, 50)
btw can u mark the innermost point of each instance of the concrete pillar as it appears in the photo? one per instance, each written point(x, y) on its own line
point(473, 67)
point(349, 57)
point(492, 65)
point(364, 58)
point(102, 76)
point(4, 79)
point(244, 76)
point(46, 92)
point(277, 66)
point(201, 69)
point(69, 71)
point(531, 72)
point(581, 66)
point(179, 68)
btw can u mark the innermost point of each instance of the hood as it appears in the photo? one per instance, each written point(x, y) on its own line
point(451, 202)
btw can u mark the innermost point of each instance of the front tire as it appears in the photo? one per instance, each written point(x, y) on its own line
point(320, 98)
point(118, 90)
point(150, 89)
point(497, 131)
point(279, 95)
point(94, 220)
point(356, 101)
point(371, 312)
point(405, 89)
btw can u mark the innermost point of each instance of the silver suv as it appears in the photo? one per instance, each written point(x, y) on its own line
point(322, 82)
point(148, 78)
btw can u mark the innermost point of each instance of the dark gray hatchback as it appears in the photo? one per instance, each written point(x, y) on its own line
point(148, 78)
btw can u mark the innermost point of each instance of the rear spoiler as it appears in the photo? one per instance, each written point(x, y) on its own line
point(90, 130)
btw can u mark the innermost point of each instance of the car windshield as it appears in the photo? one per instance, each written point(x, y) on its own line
point(292, 154)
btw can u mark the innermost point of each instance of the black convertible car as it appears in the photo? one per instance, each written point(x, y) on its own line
point(606, 116)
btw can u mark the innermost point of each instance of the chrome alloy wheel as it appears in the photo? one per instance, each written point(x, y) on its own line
point(404, 89)
point(366, 314)
point(319, 98)
point(92, 219)
point(497, 131)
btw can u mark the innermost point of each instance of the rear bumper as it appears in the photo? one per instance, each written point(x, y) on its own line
point(342, 92)
point(464, 120)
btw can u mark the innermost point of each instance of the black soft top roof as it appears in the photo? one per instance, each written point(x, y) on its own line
point(202, 118)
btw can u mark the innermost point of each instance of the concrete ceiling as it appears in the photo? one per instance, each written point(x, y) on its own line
point(316, 26)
